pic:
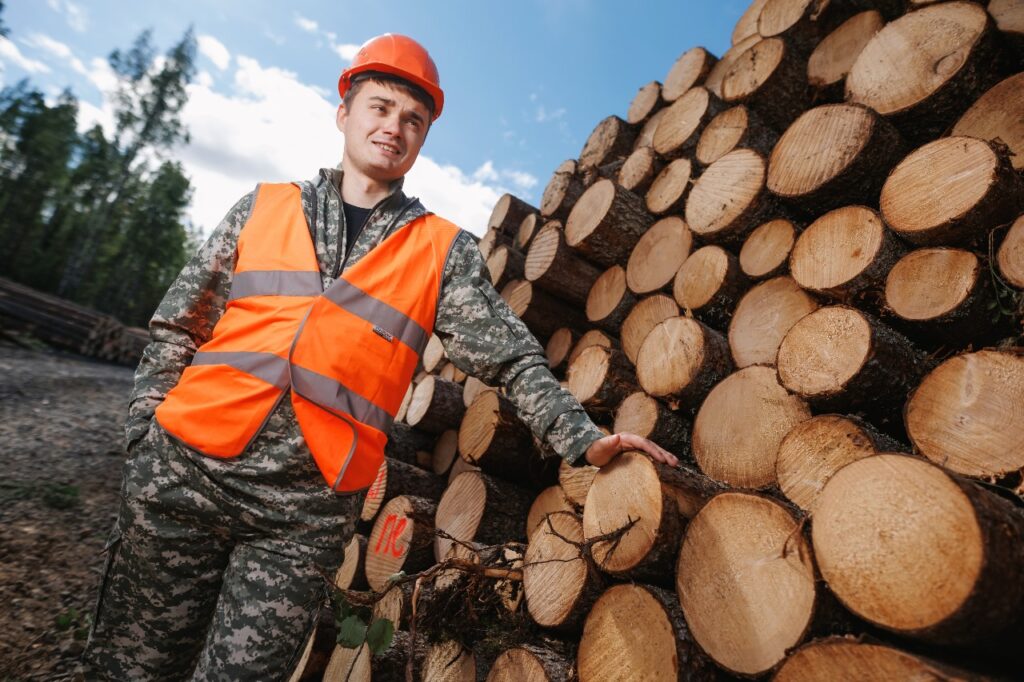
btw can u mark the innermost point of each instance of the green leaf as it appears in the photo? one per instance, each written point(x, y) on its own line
point(352, 632)
point(379, 635)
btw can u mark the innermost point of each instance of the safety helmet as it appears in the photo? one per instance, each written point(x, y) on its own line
point(399, 56)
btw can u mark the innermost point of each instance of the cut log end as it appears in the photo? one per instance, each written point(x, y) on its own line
point(642, 319)
point(766, 251)
point(763, 317)
point(996, 115)
point(729, 199)
point(834, 56)
point(658, 255)
point(1010, 256)
point(928, 284)
point(689, 69)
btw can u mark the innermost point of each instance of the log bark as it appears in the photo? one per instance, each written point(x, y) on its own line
point(814, 450)
point(834, 56)
point(1010, 257)
point(404, 442)
point(1009, 18)
point(560, 195)
point(554, 267)
point(709, 284)
point(743, 452)
point(351, 575)
point(445, 452)
point(505, 265)
point(923, 70)
point(742, 543)
point(493, 438)
point(951, 192)
point(845, 254)
point(639, 170)
point(576, 482)
point(919, 551)
point(765, 253)
point(606, 223)
point(668, 191)
point(645, 103)
point(691, 68)
point(436, 405)
point(683, 122)
point(644, 316)
point(735, 128)
point(832, 156)
point(611, 140)
point(480, 508)
point(507, 215)
point(641, 414)
point(681, 360)
point(763, 317)
point(542, 312)
point(996, 115)
point(601, 378)
point(730, 199)
point(638, 632)
point(771, 77)
point(398, 478)
point(805, 23)
point(963, 415)
point(839, 359)
point(493, 238)
point(609, 300)
point(400, 540)
point(658, 255)
point(943, 297)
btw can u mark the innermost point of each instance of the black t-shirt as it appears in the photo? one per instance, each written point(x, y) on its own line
point(355, 217)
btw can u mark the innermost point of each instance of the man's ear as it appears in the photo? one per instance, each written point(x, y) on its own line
point(341, 117)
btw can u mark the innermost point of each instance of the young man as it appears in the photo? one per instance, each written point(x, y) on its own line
point(279, 357)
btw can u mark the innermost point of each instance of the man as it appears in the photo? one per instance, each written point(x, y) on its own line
point(278, 358)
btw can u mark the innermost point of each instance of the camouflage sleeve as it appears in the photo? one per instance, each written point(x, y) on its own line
point(484, 338)
point(184, 320)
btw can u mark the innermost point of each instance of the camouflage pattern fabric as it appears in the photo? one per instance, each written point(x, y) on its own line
point(214, 563)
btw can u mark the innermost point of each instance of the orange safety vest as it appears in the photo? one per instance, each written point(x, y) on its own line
point(347, 355)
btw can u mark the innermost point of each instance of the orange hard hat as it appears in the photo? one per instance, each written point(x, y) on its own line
point(399, 56)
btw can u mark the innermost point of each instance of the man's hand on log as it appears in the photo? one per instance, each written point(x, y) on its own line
point(606, 449)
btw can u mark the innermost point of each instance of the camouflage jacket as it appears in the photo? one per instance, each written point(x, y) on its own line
point(480, 333)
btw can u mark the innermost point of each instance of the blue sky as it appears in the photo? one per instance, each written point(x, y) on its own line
point(525, 82)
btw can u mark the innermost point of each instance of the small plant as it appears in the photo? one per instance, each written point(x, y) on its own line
point(356, 625)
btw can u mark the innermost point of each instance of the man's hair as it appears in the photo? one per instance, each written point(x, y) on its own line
point(387, 79)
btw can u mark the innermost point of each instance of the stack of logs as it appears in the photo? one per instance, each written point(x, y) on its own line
point(68, 326)
point(798, 267)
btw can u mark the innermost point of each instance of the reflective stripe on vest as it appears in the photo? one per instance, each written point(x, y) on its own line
point(348, 354)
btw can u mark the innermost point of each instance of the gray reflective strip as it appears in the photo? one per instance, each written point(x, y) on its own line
point(275, 283)
point(348, 456)
point(330, 394)
point(377, 312)
point(270, 368)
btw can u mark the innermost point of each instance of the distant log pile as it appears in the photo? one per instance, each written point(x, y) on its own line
point(68, 326)
point(798, 267)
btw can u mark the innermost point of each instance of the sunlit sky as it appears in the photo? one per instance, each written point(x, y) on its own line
point(525, 82)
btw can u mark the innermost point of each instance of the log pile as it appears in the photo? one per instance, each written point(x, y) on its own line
point(798, 267)
point(68, 326)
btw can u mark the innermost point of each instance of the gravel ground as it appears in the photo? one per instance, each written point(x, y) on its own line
point(62, 449)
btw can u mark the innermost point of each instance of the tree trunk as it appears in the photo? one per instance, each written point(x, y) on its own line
point(836, 54)
point(923, 70)
point(351, 575)
point(471, 389)
point(433, 354)
point(742, 543)
point(709, 284)
point(609, 300)
point(724, 66)
point(610, 141)
point(505, 265)
point(593, 337)
point(765, 253)
point(771, 78)
point(996, 115)
point(805, 23)
point(681, 360)
point(554, 267)
point(543, 313)
point(951, 191)
point(730, 199)
point(646, 102)
point(644, 317)
point(404, 442)
point(681, 126)
point(691, 68)
point(646, 136)
point(743, 452)
point(639, 170)
point(920, 551)
point(735, 128)
point(641, 414)
point(551, 500)
point(398, 478)
point(532, 663)
point(763, 317)
point(963, 414)
point(527, 229)
point(400, 540)
point(606, 223)
point(832, 156)
point(481, 508)
point(558, 348)
point(507, 215)
point(451, 662)
point(637, 632)
point(668, 191)
point(1010, 257)
point(575, 482)
point(436, 405)
point(839, 358)
point(560, 195)
point(658, 255)
point(601, 378)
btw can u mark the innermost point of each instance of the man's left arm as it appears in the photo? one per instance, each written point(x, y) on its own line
point(484, 338)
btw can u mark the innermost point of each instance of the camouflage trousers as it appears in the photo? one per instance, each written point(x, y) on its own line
point(211, 572)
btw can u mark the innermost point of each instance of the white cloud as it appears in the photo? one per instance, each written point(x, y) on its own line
point(447, 191)
point(521, 179)
point(486, 172)
point(9, 52)
point(214, 50)
point(205, 79)
point(45, 42)
point(306, 24)
point(346, 51)
point(544, 115)
point(73, 13)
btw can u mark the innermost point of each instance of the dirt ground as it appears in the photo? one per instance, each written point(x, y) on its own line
point(61, 451)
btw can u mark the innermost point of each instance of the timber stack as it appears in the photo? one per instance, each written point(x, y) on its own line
point(798, 266)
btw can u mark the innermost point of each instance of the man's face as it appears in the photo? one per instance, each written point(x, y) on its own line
point(384, 129)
